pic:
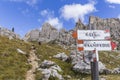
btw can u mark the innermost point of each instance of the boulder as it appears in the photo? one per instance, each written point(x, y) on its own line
point(61, 56)
point(116, 71)
point(81, 62)
point(51, 71)
point(82, 67)
point(20, 51)
point(47, 64)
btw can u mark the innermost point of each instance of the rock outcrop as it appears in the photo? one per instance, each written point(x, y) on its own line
point(81, 62)
point(61, 56)
point(32, 35)
point(8, 33)
point(50, 69)
point(112, 24)
point(49, 33)
point(46, 34)
point(20, 51)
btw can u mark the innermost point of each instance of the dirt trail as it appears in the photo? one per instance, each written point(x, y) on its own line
point(33, 61)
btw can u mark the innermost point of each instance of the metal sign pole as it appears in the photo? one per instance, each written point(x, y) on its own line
point(94, 66)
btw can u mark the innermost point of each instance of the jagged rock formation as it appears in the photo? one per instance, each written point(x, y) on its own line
point(8, 33)
point(32, 35)
point(49, 33)
point(46, 34)
point(112, 24)
point(79, 25)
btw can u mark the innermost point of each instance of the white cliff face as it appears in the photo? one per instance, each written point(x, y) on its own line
point(111, 24)
point(32, 35)
point(8, 33)
point(49, 33)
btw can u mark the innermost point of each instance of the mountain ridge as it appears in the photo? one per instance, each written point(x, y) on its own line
point(50, 33)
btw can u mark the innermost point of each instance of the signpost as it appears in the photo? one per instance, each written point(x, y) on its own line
point(98, 45)
point(93, 34)
point(94, 40)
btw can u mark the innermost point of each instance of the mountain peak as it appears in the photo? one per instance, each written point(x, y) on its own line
point(79, 25)
point(48, 26)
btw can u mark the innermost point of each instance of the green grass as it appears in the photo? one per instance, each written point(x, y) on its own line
point(13, 65)
point(46, 51)
point(110, 59)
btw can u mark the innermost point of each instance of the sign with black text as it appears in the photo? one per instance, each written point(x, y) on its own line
point(96, 45)
point(93, 34)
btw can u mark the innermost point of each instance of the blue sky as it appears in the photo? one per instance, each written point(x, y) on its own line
point(25, 15)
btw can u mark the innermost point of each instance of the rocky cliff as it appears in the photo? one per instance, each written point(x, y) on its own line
point(49, 33)
point(113, 24)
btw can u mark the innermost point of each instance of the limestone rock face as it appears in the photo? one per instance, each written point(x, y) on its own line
point(112, 24)
point(8, 33)
point(80, 26)
point(65, 37)
point(32, 35)
point(48, 33)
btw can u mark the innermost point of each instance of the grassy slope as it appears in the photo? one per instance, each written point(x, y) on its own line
point(12, 64)
point(46, 51)
point(111, 59)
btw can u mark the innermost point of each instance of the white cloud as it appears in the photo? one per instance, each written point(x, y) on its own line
point(76, 11)
point(55, 22)
point(26, 11)
point(48, 16)
point(111, 6)
point(113, 1)
point(119, 16)
point(44, 12)
point(29, 2)
point(47, 13)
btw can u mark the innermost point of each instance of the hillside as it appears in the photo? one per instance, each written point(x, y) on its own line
point(51, 54)
point(15, 65)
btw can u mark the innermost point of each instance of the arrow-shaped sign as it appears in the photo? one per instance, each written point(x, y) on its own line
point(96, 45)
point(93, 34)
